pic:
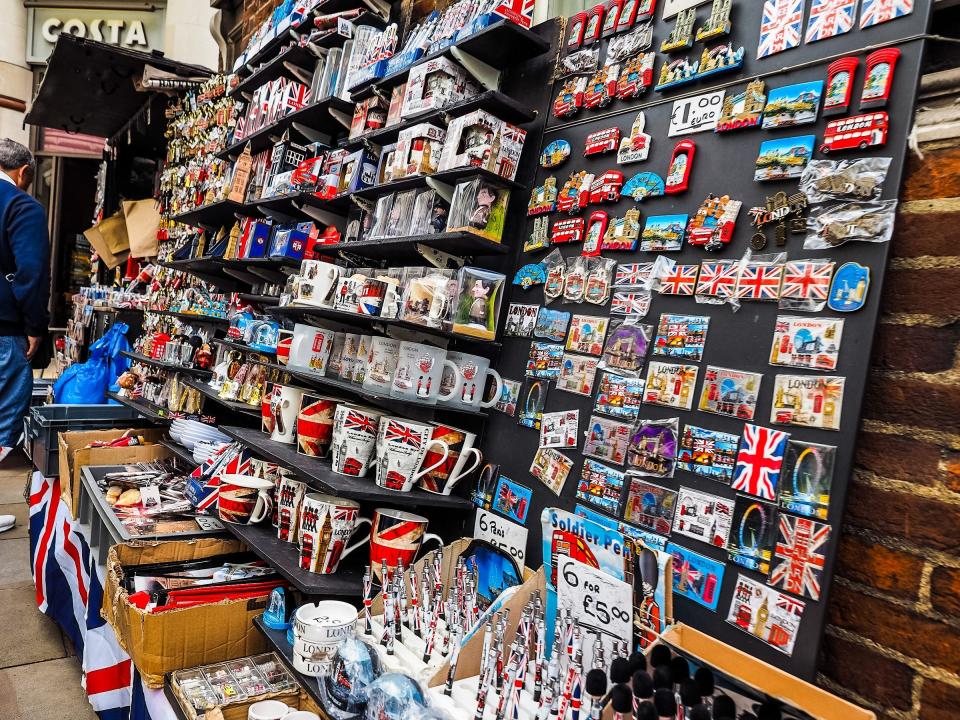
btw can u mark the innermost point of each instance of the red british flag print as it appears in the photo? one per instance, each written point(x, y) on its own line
point(360, 422)
point(875, 12)
point(718, 278)
point(807, 279)
point(799, 556)
point(682, 280)
point(759, 281)
point(759, 461)
point(400, 433)
point(829, 18)
point(781, 26)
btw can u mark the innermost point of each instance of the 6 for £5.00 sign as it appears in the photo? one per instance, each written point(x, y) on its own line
point(602, 605)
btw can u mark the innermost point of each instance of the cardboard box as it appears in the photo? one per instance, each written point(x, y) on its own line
point(159, 643)
point(74, 455)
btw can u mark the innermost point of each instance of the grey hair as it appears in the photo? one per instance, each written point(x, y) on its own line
point(13, 155)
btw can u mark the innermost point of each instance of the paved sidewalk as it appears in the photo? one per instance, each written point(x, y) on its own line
point(39, 673)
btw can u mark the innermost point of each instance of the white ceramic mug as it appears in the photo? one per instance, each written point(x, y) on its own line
point(354, 439)
point(474, 371)
point(419, 370)
point(464, 457)
point(317, 284)
point(391, 298)
point(290, 494)
point(311, 347)
point(244, 500)
point(285, 405)
point(347, 295)
point(326, 525)
point(401, 447)
point(268, 710)
point(348, 357)
point(335, 361)
point(381, 364)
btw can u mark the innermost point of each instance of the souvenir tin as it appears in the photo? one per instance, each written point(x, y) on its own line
point(743, 110)
point(879, 78)
point(840, 76)
point(555, 154)
point(848, 291)
point(636, 146)
point(601, 142)
point(681, 164)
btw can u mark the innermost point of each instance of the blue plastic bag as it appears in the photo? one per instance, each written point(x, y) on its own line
point(87, 383)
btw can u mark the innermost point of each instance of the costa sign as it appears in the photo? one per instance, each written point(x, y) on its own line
point(132, 29)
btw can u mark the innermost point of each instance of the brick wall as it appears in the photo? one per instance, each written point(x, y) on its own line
point(893, 638)
point(254, 12)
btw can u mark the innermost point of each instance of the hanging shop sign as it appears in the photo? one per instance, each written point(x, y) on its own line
point(132, 29)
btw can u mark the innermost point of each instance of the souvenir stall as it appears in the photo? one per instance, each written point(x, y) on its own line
point(590, 301)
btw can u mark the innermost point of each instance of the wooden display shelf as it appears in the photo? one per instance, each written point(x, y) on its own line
point(457, 243)
point(319, 474)
point(137, 357)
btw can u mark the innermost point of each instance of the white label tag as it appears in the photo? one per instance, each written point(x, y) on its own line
point(696, 114)
point(502, 533)
point(344, 27)
point(601, 605)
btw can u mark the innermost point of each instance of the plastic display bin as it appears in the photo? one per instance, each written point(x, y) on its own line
point(42, 425)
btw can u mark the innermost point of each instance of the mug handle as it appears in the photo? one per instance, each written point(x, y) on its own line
point(458, 381)
point(264, 506)
point(441, 461)
point(496, 393)
point(334, 274)
point(359, 543)
point(454, 480)
point(427, 537)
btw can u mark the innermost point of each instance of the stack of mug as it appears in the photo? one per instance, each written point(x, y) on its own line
point(318, 630)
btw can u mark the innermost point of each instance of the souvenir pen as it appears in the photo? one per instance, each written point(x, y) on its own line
point(401, 593)
point(454, 657)
point(397, 599)
point(387, 620)
point(571, 680)
point(538, 667)
point(432, 635)
point(414, 617)
point(425, 605)
point(437, 580)
point(508, 682)
point(578, 666)
point(367, 602)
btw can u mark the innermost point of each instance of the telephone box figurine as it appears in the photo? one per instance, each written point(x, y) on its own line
point(575, 193)
point(713, 225)
point(678, 177)
point(591, 32)
point(859, 131)
point(606, 188)
point(543, 199)
point(636, 76)
point(570, 98)
point(879, 78)
point(601, 88)
point(840, 76)
point(611, 17)
point(569, 230)
point(601, 142)
point(643, 185)
point(596, 228)
point(578, 24)
point(718, 24)
point(636, 147)
point(681, 37)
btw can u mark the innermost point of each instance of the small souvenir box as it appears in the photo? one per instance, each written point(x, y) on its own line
point(358, 170)
point(396, 104)
point(478, 207)
point(478, 306)
point(479, 139)
point(433, 85)
point(418, 150)
point(329, 180)
point(253, 241)
point(368, 115)
point(291, 240)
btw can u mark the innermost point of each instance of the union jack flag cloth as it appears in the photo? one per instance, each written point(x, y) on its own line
point(829, 18)
point(806, 279)
point(875, 12)
point(630, 303)
point(718, 278)
point(781, 27)
point(682, 280)
point(759, 280)
point(799, 556)
point(759, 461)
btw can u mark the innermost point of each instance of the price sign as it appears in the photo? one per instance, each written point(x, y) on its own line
point(502, 533)
point(696, 114)
point(601, 604)
point(208, 523)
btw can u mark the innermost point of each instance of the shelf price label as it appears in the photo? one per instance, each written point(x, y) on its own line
point(502, 533)
point(601, 604)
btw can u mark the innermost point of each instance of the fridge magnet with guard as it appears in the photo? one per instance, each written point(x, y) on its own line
point(714, 222)
point(538, 239)
point(636, 146)
point(643, 185)
point(555, 154)
point(529, 275)
point(709, 453)
point(879, 78)
point(533, 398)
point(696, 577)
point(636, 76)
point(874, 12)
point(512, 500)
point(759, 461)
point(760, 279)
point(575, 194)
point(663, 233)
point(577, 373)
point(784, 158)
point(717, 23)
point(781, 26)
point(730, 392)
point(543, 199)
point(606, 440)
point(632, 303)
point(681, 165)
point(840, 76)
point(681, 280)
point(596, 229)
point(653, 448)
point(718, 279)
point(799, 556)
point(720, 59)
point(559, 429)
point(544, 360)
point(601, 142)
point(600, 486)
point(743, 110)
point(619, 396)
point(807, 477)
point(811, 343)
point(568, 230)
point(806, 285)
point(806, 401)
point(601, 87)
point(521, 320)
point(622, 233)
point(587, 333)
point(681, 336)
point(551, 467)
point(848, 291)
point(703, 517)
point(670, 385)
point(626, 347)
point(650, 506)
point(509, 396)
point(551, 324)
point(793, 105)
point(829, 18)
point(753, 534)
point(681, 35)
point(606, 188)
point(570, 98)
point(768, 615)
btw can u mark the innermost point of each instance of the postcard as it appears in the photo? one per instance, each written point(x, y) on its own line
point(560, 429)
point(802, 342)
point(619, 396)
point(551, 467)
point(587, 333)
point(696, 577)
point(521, 319)
point(577, 373)
point(512, 500)
point(650, 506)
point(807, 477)
point(607, 440)
point(533, 398)
point(653, 447)
point(670, 385)
point(730, 392)
point(766, 614)
point(793, 105)
point(703, 517)
point(681, 336)
point(664, 233)
point(753, 533)
point(806, 401)
point(600, 485)
point(784, 158)
point(709, 453)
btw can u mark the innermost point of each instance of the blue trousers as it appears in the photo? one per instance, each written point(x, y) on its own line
point(16, 387)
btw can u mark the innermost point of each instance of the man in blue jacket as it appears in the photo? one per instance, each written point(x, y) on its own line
point(24, 288)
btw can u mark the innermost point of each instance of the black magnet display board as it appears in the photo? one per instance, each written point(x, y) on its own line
point(724, 164)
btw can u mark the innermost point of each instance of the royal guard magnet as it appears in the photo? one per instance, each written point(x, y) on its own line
point(879, 78)
point(636, 147)
point(681, 164)
point(575, 194)
point(840, 76)
point(848, 291)
point(555, 154)
point(718, 23)
point(569, 230)
point(596, 227)
point(601, 142)
point(713, 225)
point(591, 32)
point(743, 110)
point(856, 132)
point(643, 185)
point(543, 199)
point(578, 24)
point(570, 98)
point(611, 17)
point(606, 188)
point(636, 76)
point(623, 232)
point(681, 36)
point(601, 87)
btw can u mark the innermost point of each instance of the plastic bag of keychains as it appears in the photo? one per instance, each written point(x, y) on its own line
point(862, 179)
point(582, 61)
point(831, 225)
point(556, 272)
point(623, 46)
point(599, 280)
point(394, 696)
point(575, 281)
point(626, 347)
